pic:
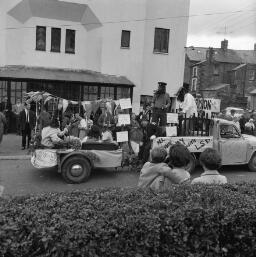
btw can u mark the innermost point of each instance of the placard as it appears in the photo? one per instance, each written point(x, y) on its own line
point(136, 108)
point(124, 119)
point(171, 131)
point(194, 144)
point(122, 136)
point(125, 103)
point(172, 118)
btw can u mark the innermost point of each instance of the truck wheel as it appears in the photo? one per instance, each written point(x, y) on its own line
point(76, 169)
point(252, 163)
point(192, 164)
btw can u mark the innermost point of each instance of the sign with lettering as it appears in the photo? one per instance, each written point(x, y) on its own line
point(122, 136)
point(171, 131)
point(125, 103)
point(172, 118)
point(45, 158)
point(209, 104)
point(124, 119)
point(194, 144)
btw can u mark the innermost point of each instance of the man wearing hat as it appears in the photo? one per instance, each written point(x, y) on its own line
point(161, 103)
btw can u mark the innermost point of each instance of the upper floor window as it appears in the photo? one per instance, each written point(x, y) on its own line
point(251, 75)
point(194, 84)
point(161, 40)
point(40, 38)
point(125, 38)
point(56, 38)
point(194, 72)
point(70, 41)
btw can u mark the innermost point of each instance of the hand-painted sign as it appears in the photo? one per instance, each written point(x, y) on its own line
point(209, 104)
point(194, 144)
point(172, 118)
point(44, 158)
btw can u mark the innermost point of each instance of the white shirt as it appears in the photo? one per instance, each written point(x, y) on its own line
point(210, 177)
point(189, 106)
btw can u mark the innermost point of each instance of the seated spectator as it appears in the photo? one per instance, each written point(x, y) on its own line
point(51, 134)
point(94, 135)
point(210, 160)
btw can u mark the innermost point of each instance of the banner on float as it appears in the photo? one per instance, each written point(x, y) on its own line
point(171, 131)
point(194, 144)
point(208, 104)
point(45, 158)
point(122, 136)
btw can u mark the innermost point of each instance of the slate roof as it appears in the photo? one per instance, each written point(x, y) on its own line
point(198, 54)
point(55, 74)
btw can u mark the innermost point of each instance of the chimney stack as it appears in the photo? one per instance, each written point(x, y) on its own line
point(255, 47)
point(224, 45)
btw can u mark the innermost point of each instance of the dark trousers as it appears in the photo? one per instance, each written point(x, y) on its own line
point(18, 130)
point(159, 117)
point(26, 133)
point(144, 152)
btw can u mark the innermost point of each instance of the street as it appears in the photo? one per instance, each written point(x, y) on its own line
point(19, 177)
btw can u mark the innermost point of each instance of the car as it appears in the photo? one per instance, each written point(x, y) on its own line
point(239, 111)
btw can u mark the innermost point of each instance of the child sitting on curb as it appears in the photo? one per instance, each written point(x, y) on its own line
point(211, 162)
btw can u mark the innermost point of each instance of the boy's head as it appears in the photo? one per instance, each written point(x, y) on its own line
point(210, 159)
point(179, 156)
point(158, 154)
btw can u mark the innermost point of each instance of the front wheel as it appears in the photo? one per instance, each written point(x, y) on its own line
point(252, 163)
point(76, 169)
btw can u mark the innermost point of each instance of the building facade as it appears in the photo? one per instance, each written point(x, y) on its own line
point(92, 49)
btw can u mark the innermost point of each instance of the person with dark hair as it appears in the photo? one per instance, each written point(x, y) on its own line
point(160, 103)
point(27, 124)
point(210, 160)
point(94, 135)
point(44, 118)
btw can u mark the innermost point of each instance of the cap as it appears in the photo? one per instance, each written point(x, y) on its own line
point(162, 83)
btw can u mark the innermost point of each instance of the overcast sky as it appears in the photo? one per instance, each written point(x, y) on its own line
point(208, 30)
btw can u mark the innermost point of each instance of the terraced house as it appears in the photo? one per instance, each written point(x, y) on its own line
point(91, 49)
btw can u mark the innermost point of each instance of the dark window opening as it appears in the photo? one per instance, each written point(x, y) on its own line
point(125, 38)
point(55, 40)
point(70, 41)
point(40, 38)
point(161, 40)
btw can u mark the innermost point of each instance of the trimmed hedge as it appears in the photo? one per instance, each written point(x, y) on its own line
point(185, 221)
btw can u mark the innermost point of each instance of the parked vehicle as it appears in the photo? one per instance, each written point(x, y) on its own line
point(235, 148)
point(239, 111)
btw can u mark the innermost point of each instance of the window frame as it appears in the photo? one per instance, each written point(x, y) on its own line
point(251, 75)
point(122, 39)
point(67, 50)
point(161, 49)
point(193, 85)
point(59, 43)
point(38, 47)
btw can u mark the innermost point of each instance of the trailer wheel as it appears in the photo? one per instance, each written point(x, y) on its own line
point(192, 164)
point(76, 169)
point(252, 163)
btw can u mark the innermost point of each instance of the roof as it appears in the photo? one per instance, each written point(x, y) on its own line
point(55, 74)
point(239, 67)
point(215, 87)
point(198, 54)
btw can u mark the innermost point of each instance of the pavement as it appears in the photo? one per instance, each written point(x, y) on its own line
point(10, 148)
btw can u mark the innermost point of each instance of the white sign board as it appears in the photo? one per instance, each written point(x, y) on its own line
point(209, 104)
point(172, 118)
point(125, 103)
point(136, 108)
point(122, 136)
point(45, 158)
point(171, 131)
point(194, 144)
point(124, 119)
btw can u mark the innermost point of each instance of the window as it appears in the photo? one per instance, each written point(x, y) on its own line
point(251, 75)
point(216, 70)
point(56, 38)
point(122, 92)
point(90, 93)
point(70, 41)
point(107, 92)
point(125, 39)
point(194, 71)
point(161, 41)
point(40, 38)
point(229, 131)
point(194, 84)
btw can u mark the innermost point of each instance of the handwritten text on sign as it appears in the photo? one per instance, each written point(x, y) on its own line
point(209, 104)
point(122, 136)
point(194, 144)
point(172, 118)
point(124, 119)
point(125, 103)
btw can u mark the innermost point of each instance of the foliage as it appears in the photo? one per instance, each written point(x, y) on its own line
point(184, 221)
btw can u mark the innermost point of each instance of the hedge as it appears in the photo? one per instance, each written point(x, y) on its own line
point(185, 221)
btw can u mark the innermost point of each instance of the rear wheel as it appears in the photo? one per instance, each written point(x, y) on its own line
point(76, 169)
point(191, 165)
point(252, 163)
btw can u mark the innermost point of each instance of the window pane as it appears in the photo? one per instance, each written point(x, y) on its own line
point(90, 93)
point(122, 92)
point(125, 39)
point(40, 38)
point(107, 92)
point(56, 38)
point(70, 41)
point(161, 40)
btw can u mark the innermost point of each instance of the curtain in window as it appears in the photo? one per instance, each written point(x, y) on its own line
point(161, 41)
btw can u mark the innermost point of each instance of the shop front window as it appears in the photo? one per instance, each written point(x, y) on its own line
point(123, 92)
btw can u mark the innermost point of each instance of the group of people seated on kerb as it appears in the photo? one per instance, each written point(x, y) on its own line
point(164, 170)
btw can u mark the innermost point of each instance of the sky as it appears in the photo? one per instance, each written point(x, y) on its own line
point(235, 21)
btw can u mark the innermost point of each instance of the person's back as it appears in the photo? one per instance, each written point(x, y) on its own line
point(210, 160)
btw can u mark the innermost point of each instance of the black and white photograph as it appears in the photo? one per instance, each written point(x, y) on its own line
point(127, 128)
